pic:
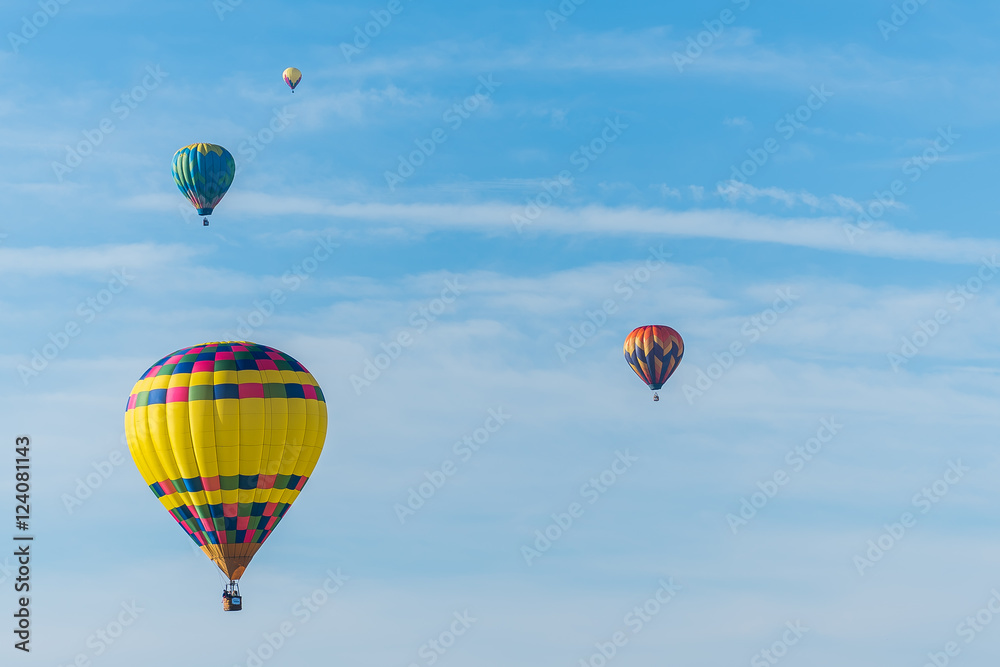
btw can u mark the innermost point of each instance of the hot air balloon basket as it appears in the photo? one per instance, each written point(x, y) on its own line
point(232, 600)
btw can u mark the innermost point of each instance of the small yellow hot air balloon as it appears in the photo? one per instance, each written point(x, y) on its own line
point(226, 435)
point(292, 77)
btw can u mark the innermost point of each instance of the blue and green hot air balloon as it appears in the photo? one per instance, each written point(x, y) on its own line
point(203, 173)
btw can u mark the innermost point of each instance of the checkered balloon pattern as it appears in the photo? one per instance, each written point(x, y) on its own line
point(226, 435)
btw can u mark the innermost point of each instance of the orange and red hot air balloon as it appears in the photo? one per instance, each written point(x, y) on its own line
point(654, 353)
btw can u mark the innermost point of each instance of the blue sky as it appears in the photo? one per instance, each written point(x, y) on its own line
point(881, 361)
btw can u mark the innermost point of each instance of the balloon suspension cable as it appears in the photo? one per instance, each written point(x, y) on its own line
point(656, 396)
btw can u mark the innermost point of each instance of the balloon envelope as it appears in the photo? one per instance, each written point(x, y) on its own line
point(292, 77)
point(203, 174)
point(654, 352)
point(226, 435)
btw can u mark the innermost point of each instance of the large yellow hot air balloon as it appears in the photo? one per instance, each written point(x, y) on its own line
point(226, 435)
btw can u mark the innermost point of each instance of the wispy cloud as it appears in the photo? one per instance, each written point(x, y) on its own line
point(735, 191)
point(54, 261)
point(854, 69)
point(820, 233)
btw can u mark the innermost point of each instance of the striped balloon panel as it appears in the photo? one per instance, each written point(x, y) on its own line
point(654, 352)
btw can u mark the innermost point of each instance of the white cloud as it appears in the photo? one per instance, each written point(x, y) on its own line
point(495, 346)
point(735, 191)
point(51, 261)
point(865, 74)
point(822, 233)
point(667, 191)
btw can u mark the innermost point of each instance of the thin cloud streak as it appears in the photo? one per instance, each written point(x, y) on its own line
point(821, 233)
point(44, 260)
